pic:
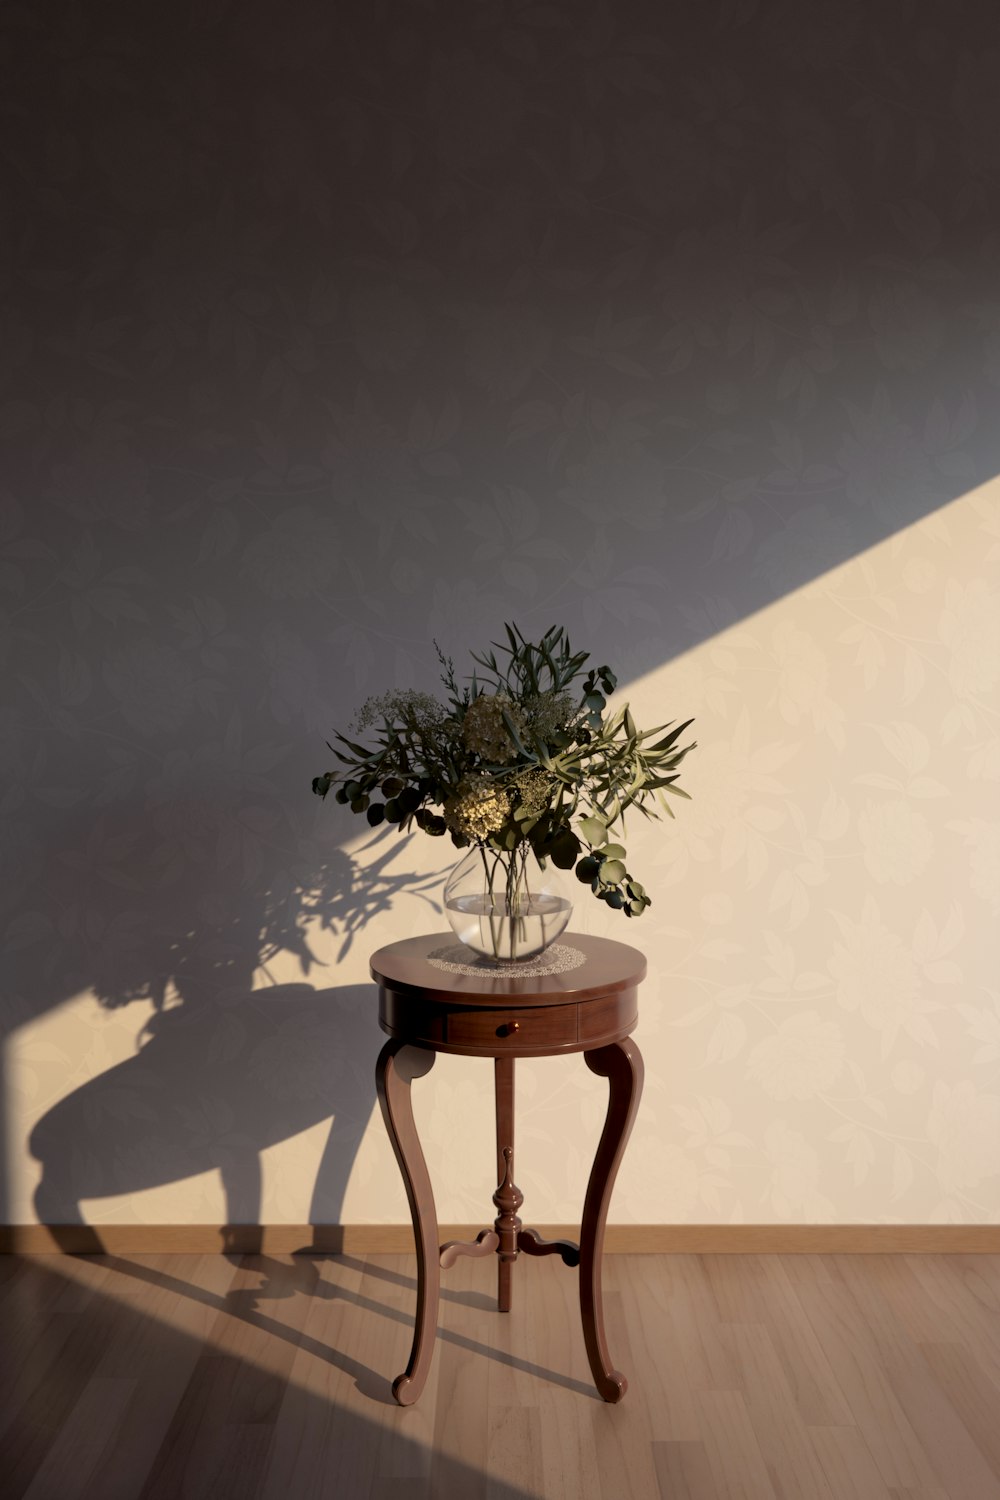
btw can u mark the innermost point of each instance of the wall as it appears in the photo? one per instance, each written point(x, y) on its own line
point(331, 335)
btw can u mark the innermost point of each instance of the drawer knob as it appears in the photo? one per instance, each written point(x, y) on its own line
point(510, 1027)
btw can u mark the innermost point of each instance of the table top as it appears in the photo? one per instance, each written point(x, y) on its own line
point(408, 967)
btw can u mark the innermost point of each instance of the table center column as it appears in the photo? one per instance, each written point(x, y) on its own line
point(508, 1198)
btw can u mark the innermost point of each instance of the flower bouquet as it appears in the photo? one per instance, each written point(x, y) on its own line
point(526, 772)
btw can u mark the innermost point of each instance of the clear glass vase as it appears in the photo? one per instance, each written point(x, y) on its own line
point(505, 906)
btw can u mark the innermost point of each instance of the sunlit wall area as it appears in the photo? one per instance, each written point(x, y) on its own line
point(821, 1020)
point(823, 1013)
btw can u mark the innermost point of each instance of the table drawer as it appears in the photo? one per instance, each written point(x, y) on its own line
point(609, 1019)
point(518, 1030)
point(501, 1030)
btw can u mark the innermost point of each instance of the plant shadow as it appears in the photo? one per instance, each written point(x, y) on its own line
point(226, 1064)
point(178, 1434)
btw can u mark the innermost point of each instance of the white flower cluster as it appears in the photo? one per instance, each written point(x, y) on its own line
point(484, 731)
point(478, 808)
point(404, 705)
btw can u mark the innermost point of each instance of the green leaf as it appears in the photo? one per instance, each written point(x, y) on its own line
point(594, 830)
point(671, 739)
point(612, 871)
point(376, 814)
point(361, 750)
point(512, 731)
point(564, 849)
point(613, 851)
point(321, 784)
point(588, 869)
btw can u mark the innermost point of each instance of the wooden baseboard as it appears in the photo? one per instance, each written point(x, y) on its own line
point(397, 1239)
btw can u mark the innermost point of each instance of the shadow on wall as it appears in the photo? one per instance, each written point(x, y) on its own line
point(223, 1070)
point(216, 1082)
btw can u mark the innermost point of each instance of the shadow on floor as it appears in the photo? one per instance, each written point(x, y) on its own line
point(179, 1415)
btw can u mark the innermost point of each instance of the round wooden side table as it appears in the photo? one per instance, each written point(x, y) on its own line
point(435, 996)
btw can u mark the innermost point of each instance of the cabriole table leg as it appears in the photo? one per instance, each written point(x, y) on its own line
point(621, 1064)
point(398, 1065)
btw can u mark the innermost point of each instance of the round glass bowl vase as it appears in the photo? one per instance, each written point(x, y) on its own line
point(505, 906)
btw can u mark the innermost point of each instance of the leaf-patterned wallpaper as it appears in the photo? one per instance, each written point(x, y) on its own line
point(330, 331)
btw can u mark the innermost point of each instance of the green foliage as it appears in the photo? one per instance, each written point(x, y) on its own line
point(535, 762)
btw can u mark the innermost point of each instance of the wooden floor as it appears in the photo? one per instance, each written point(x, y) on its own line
point(790, 1378)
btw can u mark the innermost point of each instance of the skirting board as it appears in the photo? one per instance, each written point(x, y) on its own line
point(397, 1239)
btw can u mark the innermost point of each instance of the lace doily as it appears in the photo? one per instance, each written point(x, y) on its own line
point(457, 959)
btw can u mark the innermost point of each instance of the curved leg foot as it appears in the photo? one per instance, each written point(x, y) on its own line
point(621, 1064)
point(398, 1065)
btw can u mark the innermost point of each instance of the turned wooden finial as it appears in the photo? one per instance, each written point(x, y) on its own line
point(508, 1199)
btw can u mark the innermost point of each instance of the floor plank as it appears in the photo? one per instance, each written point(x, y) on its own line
point(955, 1460)
point(847, 1463)
point(88, 1431)
point(683, 1472)
point(868, 1386)
point(737, 1463)
point(758, 1289)
point(793, 1464)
